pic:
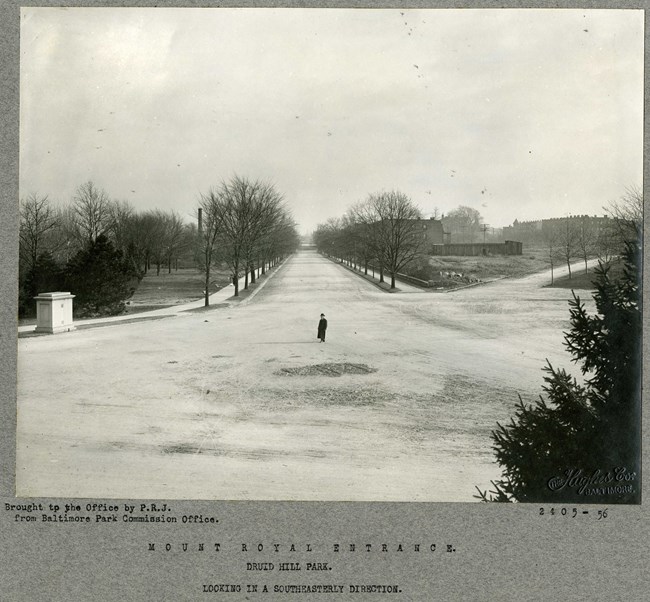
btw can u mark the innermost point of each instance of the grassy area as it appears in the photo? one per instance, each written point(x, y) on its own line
point(481, 268)
point(578, 280)
point(495, 266)
point(581, 280)
point(156, 292)
point(181, 286)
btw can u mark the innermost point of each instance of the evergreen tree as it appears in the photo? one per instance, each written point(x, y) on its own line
point(44, 275)
point(583, 443)
point(100, 279)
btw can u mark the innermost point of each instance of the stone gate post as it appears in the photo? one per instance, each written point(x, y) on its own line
point(54, 312)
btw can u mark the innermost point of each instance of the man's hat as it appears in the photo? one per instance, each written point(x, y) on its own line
point(322, 315)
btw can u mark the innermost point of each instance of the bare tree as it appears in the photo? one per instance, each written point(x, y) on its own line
point(327, 237)
point(435, 214)
point(586, 239)
point(608, 243)
point(120, 228)
point(627, 213)
point(567, 240)
point(353, 240)
point(464, 223)
point(396, 230)
point(138, 234)
point(250, 211)
point(371, 234)
point(93, 212)
point(211, 206)
point(360, 215)
point(551, 239)
point(38, 220)
point(236, 200)
point(282, 240)
point(63, 241)
point(154, 230)
point(266, 211)
point(172, 229)
point(343, 235)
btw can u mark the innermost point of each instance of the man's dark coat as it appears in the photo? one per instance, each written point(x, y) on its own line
point(322, 327)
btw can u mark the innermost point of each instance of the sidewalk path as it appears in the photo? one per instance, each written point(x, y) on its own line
point(401, 285)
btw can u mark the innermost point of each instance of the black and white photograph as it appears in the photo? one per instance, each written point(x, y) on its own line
point(363, 255)
point(456, 193)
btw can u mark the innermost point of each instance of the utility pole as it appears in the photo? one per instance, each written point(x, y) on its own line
point(484, 227)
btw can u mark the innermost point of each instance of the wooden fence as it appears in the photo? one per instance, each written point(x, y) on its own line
point(510, 247)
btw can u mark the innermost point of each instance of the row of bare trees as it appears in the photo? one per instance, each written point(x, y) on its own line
point(584, 237)
point(245, 225)
point(95, 239)
point(380, 233)
point(147, 238)
point(571, 238)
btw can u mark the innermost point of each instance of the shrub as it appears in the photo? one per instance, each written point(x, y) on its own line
point(100, 279)
point(44, 276)
point(419, 267)
point(582, 444)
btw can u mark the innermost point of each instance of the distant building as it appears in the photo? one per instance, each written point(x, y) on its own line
point(539, 231)
point(438, 242)
point(432, 231)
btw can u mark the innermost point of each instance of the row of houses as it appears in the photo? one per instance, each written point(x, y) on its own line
point(437, 241)
point(534, 232)
point(539, 231)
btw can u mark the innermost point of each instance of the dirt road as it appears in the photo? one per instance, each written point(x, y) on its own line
point(243, 402)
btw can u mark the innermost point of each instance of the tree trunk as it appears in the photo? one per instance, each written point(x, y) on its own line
point(392, 280)
point(207, 285)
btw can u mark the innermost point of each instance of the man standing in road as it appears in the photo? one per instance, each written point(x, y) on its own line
point(322, 327)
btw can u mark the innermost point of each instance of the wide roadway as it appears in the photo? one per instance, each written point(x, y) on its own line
point(243, 402)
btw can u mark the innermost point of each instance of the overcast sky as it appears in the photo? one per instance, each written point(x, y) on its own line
point(518, 113)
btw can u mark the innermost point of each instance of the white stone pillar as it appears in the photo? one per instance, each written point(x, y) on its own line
point(54, 312)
